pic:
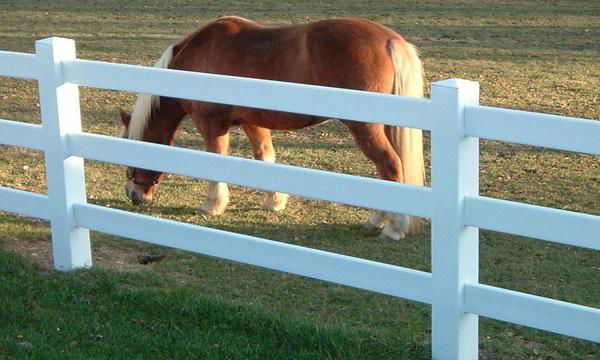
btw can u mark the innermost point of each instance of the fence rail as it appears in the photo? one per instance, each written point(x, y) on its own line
point(457, 211)
point(316, 184)
point(360, 273)
point(538, 222)
point(533, 311)
point(523, 127)
point(20, 134)
point(289, 97)
point(18, 65)
point(24, 202)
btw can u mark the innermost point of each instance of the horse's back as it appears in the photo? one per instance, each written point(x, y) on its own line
point(240, 47)
point(349, 53)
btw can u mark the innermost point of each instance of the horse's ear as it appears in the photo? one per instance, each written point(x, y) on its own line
point(125, 117)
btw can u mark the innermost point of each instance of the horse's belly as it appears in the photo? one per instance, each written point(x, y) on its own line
point(276, 120)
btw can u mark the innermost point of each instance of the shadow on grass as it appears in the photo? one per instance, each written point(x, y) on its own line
point(22, 228)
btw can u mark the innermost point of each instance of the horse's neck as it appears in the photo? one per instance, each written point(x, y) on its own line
point(163, 125)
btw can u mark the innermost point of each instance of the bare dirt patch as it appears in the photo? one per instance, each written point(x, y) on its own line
point(39, 253)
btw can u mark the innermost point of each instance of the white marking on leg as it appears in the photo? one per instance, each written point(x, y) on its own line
point(217, 200)
point(397, 228)
point(275, 201)
point(389, 233)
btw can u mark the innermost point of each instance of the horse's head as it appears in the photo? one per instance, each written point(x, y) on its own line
point(141, 183)
point(141, 124)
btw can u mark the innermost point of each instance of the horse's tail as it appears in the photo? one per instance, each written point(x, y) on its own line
point(408, 142)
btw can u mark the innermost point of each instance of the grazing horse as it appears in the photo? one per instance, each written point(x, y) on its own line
point(345, 53)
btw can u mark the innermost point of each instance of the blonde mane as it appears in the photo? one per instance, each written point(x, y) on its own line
point(147, 104)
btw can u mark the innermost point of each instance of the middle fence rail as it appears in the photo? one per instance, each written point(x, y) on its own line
point(366, 192)
point(453, 115)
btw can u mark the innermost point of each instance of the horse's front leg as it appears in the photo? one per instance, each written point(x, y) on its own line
point(217, 200)
point(215, 131)
point(262, 146)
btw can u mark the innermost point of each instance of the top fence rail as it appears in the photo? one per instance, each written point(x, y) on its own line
point(544, 130)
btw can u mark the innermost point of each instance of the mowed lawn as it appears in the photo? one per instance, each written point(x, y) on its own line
point(143, 301)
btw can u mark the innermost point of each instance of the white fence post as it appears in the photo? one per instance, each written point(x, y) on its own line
point(66, 181)
point(455, 247)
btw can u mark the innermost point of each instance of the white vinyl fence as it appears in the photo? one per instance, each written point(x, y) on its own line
point(453, 203)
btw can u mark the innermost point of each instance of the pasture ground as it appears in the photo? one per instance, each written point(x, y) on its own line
point(539, 56)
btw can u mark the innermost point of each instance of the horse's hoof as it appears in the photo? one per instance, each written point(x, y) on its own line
point(275, 203)
point(273, 208)
point(210, 209)
point(378, 220)
point(389, 233)
point(401, 222)
point(373, 224)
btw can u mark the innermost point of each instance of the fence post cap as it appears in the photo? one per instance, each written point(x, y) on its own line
point(56, 44)
point(54, 40)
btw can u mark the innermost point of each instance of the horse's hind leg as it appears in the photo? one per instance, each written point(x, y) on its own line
point(262, 146)
point(373, 142)
point(216, 138)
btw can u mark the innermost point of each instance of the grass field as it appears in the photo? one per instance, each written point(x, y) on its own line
point(538, 56)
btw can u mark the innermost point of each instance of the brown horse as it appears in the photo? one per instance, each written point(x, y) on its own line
point(345, 53)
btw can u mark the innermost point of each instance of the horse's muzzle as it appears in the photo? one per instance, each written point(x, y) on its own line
point(136, 199)
point(137, 196)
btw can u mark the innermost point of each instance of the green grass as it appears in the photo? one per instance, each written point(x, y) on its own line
point(106, 314)
point(536, 56)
